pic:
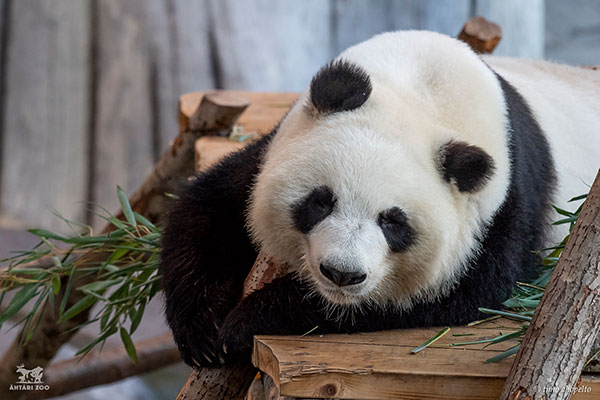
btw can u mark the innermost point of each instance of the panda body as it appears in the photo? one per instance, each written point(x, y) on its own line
point(408, 186)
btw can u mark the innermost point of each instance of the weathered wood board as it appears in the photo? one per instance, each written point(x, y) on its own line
point(123, 153)
point(380, 365)
point(44, 131)
point(90, 89)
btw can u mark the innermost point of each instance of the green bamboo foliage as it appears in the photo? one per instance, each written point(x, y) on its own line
point(123, 283)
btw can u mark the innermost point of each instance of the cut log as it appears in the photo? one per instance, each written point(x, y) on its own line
point(217, 111)
point(481, 35)
point(177, 162)
point(211, 149)
point(567, 320)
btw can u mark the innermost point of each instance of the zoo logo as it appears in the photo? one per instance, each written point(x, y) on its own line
point(30, 379)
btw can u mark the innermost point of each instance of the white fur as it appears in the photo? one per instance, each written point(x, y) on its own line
point(566, 103)
point(428, 89)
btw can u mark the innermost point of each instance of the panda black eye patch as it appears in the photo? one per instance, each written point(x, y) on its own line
point(313, 209)
point(396, 229)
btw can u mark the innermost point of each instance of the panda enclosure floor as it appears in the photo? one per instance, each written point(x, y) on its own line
point(376, 365)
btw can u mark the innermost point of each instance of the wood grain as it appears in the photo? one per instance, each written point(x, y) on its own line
point(379, 365)
point(123, 147)
point(44, 133)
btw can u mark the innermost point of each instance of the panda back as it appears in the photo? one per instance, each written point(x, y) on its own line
point(565, 101)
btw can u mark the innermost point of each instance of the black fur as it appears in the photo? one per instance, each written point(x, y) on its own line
point(313, 209)
point(467, 165)
point(396, 229)
point(207, 254)
point(339, 86)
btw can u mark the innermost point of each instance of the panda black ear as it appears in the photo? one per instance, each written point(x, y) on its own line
point(339, 86)
point(467, 166)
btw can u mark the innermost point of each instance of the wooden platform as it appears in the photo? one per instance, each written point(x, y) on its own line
point(380, 365)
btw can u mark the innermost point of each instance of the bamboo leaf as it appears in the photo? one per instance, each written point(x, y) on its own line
point(502, 356)
point(78, 307)
point(55, 284)
point(98, 285)
point(111, 331)
point(66, 294)
point(129, 346)
point(580, 197)
point(47, 234)
point(432, 340)
point(21, 298)
point(135, 321)
point(505, 314)
point(125, 206)
point(142, 220)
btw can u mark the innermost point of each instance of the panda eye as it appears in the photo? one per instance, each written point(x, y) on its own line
point(396, 229)
point(313, 209)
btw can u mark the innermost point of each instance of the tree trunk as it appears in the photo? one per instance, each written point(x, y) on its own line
point(567, 320)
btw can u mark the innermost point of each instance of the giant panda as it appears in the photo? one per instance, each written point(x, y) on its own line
point(409, 185)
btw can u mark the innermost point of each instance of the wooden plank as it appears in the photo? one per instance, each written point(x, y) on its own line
point(445, 16)
point(572, 33)
point(264, 112)
point(270, 45)
point(354, 21)
point(181, 59)
point(123, 120)
point(380, 365)
point(522, 24)
point(412, 338)
point(46, 110)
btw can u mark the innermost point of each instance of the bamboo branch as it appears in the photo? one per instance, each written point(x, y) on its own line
point(175, 165)
point(567, 319)
point(107, 366)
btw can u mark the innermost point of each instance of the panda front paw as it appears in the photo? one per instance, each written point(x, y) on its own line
point(198, 345)
point(236, 337)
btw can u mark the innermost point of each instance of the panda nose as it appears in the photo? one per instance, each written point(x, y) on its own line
point(342, 278)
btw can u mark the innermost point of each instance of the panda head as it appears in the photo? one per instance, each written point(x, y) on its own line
point(381, 180)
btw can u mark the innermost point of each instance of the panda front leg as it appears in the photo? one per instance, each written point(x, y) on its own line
point(207, 252)
point(282, 307)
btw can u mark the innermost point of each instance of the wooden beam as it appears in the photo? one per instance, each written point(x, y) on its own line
point(567, 319)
